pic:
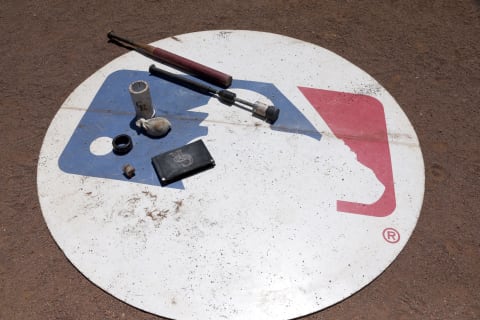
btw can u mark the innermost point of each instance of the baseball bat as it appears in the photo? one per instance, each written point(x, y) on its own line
point(188, 66)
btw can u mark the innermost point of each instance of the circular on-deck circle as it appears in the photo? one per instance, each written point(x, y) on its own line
point(294, 217)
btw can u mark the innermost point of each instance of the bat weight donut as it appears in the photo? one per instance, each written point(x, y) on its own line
point(122, 144)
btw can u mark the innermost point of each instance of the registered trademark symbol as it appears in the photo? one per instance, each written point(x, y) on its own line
point(391, 235)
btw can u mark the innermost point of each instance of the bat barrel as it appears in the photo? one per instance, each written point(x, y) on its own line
point(193, 68)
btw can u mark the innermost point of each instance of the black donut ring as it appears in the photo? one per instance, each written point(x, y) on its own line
point(122, 144)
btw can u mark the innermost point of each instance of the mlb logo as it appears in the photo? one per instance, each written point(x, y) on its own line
point(357, 119)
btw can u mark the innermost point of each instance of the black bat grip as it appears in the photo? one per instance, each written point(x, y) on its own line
point(182, 80)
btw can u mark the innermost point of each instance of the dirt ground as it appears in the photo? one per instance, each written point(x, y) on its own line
point(425, 53)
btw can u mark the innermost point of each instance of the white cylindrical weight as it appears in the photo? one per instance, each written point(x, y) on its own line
point(140, 93)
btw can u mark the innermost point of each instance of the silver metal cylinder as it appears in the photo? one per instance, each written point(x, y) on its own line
point(260, 108)
point(140, 93)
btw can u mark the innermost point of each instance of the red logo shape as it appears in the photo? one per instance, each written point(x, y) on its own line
point(359, 120)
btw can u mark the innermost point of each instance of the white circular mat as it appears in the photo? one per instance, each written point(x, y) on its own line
point(294, 217)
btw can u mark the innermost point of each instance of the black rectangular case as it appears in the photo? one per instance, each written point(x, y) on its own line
point(182, 162)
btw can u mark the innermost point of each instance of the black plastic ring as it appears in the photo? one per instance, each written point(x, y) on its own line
point(122, 144)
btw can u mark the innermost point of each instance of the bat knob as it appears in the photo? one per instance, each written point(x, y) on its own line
point(266, 112)
point(272, 114)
